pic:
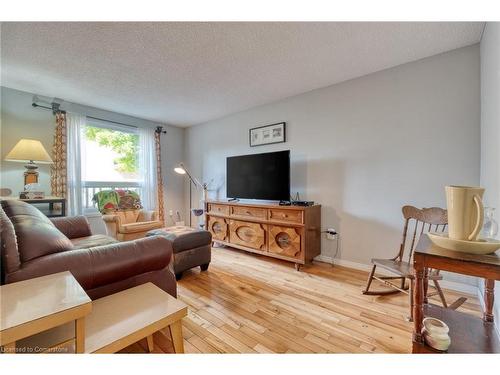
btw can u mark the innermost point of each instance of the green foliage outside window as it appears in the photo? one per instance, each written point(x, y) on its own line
point(124, 144)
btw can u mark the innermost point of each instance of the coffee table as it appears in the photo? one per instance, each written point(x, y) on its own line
point(32, 306)
point(121, 319)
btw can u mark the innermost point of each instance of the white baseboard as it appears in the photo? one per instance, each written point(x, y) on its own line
point(451, 285)
point(344, 263)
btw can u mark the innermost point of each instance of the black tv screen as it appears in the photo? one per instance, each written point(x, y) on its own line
point(259, 176)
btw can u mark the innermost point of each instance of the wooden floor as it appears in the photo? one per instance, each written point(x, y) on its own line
point(246, 303)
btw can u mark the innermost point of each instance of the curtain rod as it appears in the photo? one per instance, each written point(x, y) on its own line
point(55, 109)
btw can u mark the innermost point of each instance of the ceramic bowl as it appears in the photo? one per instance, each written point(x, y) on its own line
point(438, 342)
point(481, 246)
point(435, 326)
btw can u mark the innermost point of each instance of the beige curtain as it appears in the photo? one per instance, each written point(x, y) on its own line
point(58, 170)
point(159, 181)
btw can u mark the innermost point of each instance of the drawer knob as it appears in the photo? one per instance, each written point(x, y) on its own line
point(284, 241)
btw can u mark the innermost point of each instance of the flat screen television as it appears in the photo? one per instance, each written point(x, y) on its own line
point(259, 176)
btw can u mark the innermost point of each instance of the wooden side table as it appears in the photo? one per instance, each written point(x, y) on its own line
point(49, 210)
point(119, 320)
point(32, 306)
point(468, 334)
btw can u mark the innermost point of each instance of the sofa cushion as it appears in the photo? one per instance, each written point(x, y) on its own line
point(36, 235)
point(101, 265)
point(92, 241)
point(72, 226)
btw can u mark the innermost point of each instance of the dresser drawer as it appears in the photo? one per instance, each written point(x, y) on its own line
point(259, 213)
point(290, 216)
point(248, 234)
point(285, 241)
point(219, 228)
point(218, 209)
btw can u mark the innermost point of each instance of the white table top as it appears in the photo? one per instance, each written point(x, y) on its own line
point(28, 300)
point(116, 317)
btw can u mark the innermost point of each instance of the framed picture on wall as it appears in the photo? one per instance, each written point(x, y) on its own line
point(268, 134)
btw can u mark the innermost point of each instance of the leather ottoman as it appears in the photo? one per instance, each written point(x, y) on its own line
point(191, 247)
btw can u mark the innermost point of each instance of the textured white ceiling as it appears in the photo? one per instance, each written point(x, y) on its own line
point(189, 73)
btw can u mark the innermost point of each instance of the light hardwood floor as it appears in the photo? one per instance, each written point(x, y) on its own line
point(246, 303)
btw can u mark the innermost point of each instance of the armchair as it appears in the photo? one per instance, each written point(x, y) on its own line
point(124, 216)
point(131, 224)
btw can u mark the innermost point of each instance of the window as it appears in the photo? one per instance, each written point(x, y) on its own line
point(110, 159)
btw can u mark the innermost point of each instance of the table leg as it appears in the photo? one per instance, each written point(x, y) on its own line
point(489, 297)
point(176, 335)
point(151, 343)
point(418, 298)
point(80, 335)
point(426, 284)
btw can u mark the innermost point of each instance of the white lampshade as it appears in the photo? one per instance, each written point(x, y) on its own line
point(180, 169)
point(29, 150)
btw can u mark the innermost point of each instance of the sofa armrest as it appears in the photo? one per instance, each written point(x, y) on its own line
point(73, 226)
point(112, 222)
point(101, 265)
point(110, 218)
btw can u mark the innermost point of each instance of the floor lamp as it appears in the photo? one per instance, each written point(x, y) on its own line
point(180, 169)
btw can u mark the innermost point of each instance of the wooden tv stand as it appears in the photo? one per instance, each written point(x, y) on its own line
point(291, 233)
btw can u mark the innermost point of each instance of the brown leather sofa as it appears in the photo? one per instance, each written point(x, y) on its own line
point(33, 245)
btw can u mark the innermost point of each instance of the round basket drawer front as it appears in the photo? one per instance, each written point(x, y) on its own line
point(247, 234)
point(219, 228)
point(285, 241)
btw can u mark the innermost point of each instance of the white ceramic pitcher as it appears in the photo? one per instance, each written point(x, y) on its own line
point(465, 212)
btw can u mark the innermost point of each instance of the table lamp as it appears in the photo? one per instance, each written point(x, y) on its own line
point(29, 151)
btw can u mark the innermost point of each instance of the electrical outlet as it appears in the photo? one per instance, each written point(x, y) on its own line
point(331, 234)
point(171, 213)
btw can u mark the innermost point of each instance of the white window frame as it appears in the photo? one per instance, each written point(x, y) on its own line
point(88, 207)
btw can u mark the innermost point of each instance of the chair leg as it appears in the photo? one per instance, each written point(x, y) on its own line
point(370, 279)
point(441, 294)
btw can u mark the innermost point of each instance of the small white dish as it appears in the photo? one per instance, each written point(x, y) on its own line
point(438, 342)
point(435, 326)
point(482, 246)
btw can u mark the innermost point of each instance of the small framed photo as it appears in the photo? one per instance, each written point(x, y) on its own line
point(268, 134)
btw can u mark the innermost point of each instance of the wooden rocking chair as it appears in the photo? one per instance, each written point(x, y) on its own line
point(422, 220)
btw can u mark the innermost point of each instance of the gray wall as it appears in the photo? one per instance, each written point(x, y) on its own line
point(490, 123)
point(21, 120)
point(365, 147)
